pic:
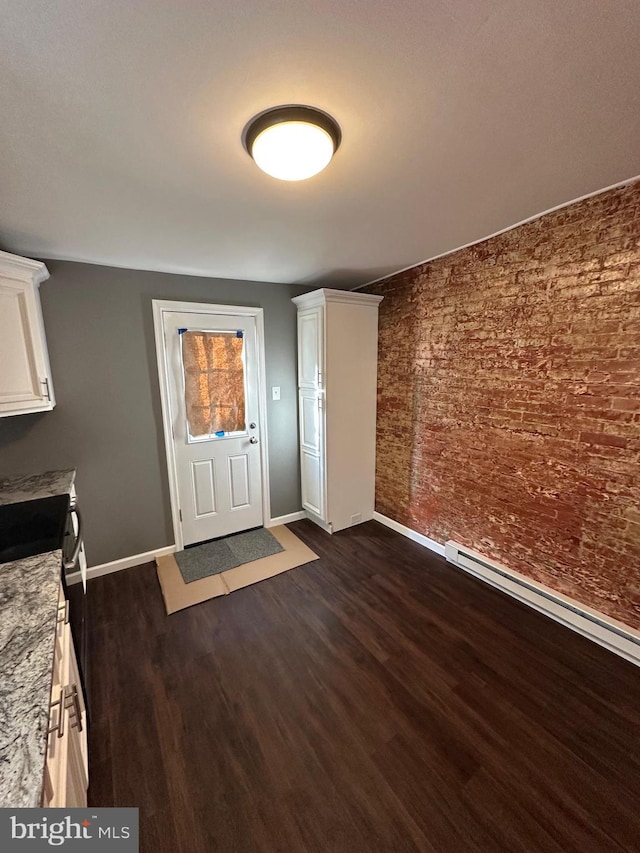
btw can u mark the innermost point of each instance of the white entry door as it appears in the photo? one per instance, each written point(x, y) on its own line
point(212, 376)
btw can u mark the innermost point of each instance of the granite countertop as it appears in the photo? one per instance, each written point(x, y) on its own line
point(30, 487)
point(28, 613)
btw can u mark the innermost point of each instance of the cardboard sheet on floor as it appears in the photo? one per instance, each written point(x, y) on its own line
point(177, 594)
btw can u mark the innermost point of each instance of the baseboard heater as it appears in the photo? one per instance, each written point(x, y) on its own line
point(607, 632)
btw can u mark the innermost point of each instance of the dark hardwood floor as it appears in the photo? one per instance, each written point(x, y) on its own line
point(375, 700)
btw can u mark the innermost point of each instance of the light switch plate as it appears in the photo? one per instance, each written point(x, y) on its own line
point(275, 392)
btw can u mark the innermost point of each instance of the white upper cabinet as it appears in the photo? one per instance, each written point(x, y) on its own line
point(25, 374)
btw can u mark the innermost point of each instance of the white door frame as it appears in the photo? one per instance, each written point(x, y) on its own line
point(160, 306)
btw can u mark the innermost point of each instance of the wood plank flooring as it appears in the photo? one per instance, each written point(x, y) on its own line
point(375, 700)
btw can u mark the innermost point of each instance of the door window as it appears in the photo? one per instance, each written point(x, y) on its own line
point(214, 383)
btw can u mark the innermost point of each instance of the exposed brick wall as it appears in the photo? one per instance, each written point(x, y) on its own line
point(509, 400)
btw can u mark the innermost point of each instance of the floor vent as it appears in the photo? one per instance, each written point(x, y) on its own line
point(607, 632)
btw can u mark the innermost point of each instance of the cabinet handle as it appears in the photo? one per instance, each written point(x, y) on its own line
point(76, 723)
point(63, 613)
point(47, 392)
point(59, 727)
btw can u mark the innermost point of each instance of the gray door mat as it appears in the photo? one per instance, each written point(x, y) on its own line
point(212, 558)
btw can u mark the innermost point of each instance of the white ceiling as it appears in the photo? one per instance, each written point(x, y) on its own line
point(121, 120)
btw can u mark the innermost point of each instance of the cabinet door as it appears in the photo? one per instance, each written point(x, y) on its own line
point(311, 348)
point(78, 711)
point(57, 763)
point(66, 770)
point(310, 403)
point(65, 784)
point(25, 381)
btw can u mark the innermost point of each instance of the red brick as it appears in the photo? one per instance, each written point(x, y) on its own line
point(604, 439)
point(509, 400)
point(627, 404)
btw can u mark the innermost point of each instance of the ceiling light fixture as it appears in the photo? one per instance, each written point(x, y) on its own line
point(292, 143)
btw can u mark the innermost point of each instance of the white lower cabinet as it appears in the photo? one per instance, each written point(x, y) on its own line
point(66, 776)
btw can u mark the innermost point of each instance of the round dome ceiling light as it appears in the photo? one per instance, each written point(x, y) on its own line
point(292, 143)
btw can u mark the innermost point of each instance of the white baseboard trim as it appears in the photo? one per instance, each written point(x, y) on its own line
point(148, 556)
point(431, 544)
point(603, 630)
point(124, 563)
point(596, 626)
point(286, 519)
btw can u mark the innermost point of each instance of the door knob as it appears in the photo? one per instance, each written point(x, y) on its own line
point(253, 440)
point(252, 426)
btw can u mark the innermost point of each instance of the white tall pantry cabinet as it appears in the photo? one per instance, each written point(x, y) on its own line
point(337, 384)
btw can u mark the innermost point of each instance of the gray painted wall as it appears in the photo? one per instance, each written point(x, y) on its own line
point(108, 423)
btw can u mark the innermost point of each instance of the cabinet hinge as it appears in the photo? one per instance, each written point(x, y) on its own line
point(47, 392)
point(180, 513)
